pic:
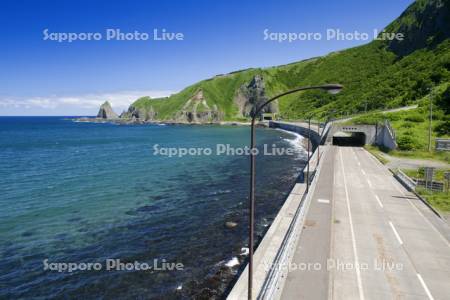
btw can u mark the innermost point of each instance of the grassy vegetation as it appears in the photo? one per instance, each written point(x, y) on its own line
point(218, 91)
point(375, 151)
point(420, 173)
point(376, 76)
point(412, 126)
point(439, 200)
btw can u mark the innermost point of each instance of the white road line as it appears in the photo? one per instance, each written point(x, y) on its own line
point(421, 214)
point(352, 231)
point(364, 172)
point(369, 182)
point(378, 164)
point(393, 183)
point(396, 233)
point(425, 287)
point(326, 201)
point(379, 201)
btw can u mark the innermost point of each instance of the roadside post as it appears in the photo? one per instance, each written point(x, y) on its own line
point(447, 177)
point(429, 172)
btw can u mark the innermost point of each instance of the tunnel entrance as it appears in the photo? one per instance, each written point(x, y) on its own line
point(349, 139)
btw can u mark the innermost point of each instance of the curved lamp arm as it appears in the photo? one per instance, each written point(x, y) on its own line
point(327, 87)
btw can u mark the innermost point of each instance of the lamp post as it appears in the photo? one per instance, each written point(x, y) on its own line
point(308, 152)
point(318, 145)
point(331, 88)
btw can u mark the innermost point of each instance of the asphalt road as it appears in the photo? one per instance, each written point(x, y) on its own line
point(366, 237)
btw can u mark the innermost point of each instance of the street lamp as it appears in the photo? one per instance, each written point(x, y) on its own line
point(331, 88)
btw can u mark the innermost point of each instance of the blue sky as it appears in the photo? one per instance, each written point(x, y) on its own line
point(43, 77)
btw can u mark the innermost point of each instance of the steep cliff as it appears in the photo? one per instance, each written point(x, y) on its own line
point(197, 110)
point(425, 24)
point(139, 114)
point(251, 96)
point(379, 75)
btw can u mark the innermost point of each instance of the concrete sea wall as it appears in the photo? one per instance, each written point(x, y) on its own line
point(278, 244)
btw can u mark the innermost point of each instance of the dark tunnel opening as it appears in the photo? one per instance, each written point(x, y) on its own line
point(354, 139)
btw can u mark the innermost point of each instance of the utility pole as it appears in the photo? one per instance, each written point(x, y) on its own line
point(430, 125)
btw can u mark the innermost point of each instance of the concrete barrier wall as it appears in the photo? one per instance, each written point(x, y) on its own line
point(386, 137)
point(300, 129)
point(375, 134)
point(369, 130)
point(279, 241)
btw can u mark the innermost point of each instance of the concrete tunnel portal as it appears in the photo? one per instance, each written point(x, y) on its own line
point(349, 139)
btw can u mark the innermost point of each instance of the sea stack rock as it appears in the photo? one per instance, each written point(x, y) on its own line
point(106, 111)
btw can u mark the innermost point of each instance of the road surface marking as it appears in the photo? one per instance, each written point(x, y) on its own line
point(370, 183)
point(355, 252)
point(378, 164)
point(393, 182)
point(323, 201)
point(396, 233)
point(356, 157)
point(364, 172)
point(425, 287)
point(420, 213)
point(379, 201)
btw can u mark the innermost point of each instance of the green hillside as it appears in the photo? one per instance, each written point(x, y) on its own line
point(378, 75)
point(412, 126)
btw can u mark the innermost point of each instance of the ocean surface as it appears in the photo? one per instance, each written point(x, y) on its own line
point(84, 193)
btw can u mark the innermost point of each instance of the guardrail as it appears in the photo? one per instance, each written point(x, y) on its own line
point(274, 280)
point(279, 242)
point(410, 184)
point(431, 185)
point(406, 180)
point(443, 144)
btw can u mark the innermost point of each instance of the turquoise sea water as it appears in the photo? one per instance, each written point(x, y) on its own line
point(85, 192)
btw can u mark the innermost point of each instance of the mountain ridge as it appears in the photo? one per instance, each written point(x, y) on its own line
point(377, 75)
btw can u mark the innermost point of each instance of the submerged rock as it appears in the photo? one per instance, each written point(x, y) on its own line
point(230, 224)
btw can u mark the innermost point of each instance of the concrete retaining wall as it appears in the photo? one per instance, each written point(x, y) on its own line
point(386, 138)
point(279, 241)
point(375, 134)
point(302, 130)
point(369, 130)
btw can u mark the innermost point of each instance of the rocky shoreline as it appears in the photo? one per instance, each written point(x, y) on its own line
point(107, 115)
point(133, 121)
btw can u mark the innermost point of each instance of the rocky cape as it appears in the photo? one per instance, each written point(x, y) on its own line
point(195, 109)
point(134, 116)
point(380, 75)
